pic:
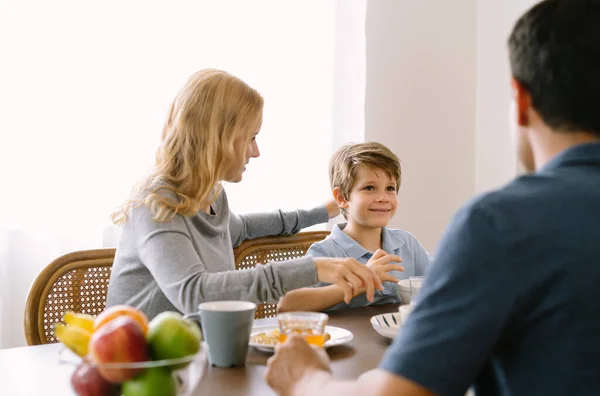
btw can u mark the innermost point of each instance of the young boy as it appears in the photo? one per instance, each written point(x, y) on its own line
point(365, 178)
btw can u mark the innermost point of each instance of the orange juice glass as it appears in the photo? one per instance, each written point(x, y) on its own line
point(311, 325)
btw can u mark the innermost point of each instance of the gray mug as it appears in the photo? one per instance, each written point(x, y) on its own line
point(226, 326)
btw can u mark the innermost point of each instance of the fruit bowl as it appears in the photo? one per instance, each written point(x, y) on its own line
point(151, 377)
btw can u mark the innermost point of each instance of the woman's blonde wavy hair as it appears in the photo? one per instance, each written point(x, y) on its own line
point(208, 115)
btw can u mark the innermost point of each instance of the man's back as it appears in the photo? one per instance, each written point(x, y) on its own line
point(514, 293)
point(552, 230)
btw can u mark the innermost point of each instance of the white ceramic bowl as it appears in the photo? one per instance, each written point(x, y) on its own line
point(404, 290)
point(388, 325)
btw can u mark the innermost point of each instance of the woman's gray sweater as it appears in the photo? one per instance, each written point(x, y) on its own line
point(175, 266)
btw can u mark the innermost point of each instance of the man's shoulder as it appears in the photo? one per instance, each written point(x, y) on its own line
point(519, 188)
point(520, 193)
point(519, 205)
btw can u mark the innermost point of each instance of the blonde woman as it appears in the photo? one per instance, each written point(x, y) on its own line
point(176, 247)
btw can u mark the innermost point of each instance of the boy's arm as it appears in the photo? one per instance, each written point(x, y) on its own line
point(320, 298)
point(311, 299)
point(316, 298)
point(422, 258)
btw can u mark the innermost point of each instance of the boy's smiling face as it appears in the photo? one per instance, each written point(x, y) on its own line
point(373, 199)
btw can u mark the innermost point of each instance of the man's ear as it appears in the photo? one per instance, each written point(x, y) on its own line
point(339, 198)
point(522, 101)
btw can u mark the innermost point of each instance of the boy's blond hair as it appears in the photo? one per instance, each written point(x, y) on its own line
point(345, 162)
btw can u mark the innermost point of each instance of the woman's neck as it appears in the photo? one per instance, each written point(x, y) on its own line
point(367, 237)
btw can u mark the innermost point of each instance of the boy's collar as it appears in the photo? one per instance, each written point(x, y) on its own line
point(353, 249)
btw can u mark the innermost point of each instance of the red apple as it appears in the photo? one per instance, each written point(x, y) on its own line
point(119, 341)
point(87, 381)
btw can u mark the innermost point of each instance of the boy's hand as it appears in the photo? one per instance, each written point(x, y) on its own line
point(382, 262)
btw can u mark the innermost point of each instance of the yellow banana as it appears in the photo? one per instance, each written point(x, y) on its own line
point(73, 337)
point(84, 321)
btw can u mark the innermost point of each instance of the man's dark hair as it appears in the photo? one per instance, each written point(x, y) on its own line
point(555, 54)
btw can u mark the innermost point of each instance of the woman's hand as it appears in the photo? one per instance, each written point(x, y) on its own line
point(382, 262)
point(332, 208)
point(349, 275)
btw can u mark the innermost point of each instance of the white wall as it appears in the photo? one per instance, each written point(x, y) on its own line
point(420, 102)
point(437, 93)
point(349, 70)
point(84, 90)
point(495, 160)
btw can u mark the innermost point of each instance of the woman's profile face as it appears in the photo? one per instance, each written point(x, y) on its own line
point(245, 147)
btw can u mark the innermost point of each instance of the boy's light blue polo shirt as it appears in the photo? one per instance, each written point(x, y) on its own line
point(415, 260)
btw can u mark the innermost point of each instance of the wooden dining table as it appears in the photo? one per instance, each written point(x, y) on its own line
point(35, 370)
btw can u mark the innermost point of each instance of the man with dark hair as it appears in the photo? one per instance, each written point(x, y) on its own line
point(511, 304)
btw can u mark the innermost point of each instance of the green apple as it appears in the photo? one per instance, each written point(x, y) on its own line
point(170, 336)
point(155, 381)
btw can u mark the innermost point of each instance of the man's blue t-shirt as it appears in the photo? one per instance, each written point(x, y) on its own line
point(511, 304)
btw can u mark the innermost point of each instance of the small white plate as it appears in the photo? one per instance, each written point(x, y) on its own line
point(388, 325)
point(338, 335)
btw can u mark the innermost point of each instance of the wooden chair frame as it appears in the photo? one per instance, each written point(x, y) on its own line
point(274, 248)
point(262, 245)
point(76, 266)
point(77, 263)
